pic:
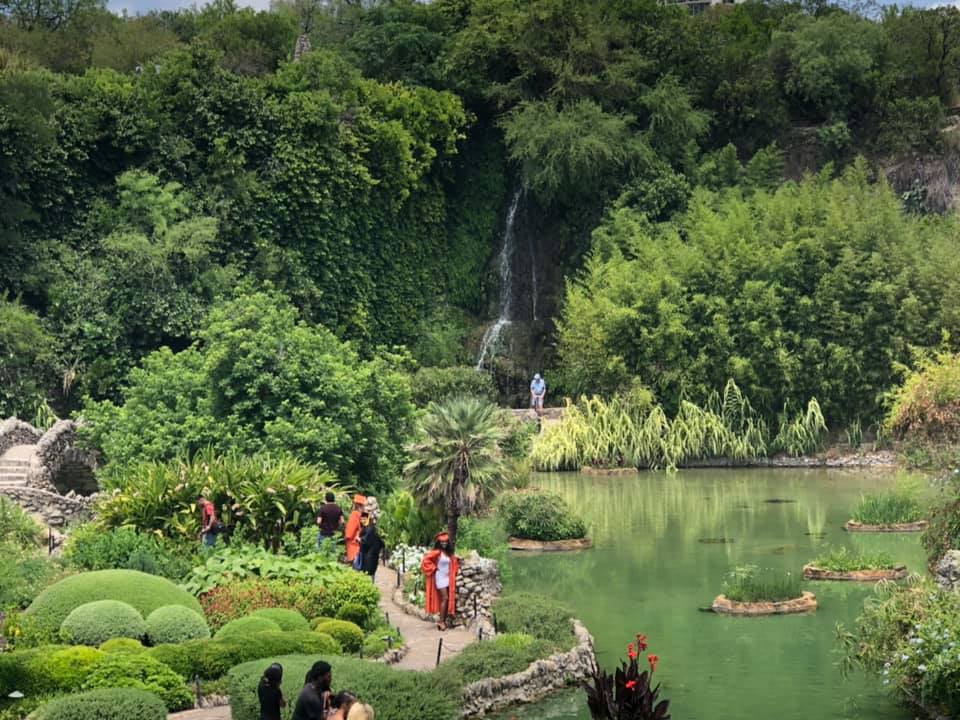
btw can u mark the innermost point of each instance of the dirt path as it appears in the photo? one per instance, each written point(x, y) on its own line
point(422, 638)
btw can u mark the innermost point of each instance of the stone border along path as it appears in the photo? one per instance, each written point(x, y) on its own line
point(419, 636)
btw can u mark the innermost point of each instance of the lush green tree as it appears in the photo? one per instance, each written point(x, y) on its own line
point(47, 14)
point(261, 379)
point(28, 361)
point(456, 461)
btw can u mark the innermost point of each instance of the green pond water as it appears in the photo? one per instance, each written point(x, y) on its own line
point(648, 572)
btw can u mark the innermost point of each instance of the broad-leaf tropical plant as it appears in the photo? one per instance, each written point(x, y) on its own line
point(457, 464)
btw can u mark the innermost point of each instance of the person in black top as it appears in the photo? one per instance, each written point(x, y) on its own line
point(371, 544)
point(314, 700)
point(270, 694)
point(329, 519)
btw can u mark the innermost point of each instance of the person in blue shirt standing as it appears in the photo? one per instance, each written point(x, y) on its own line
point(538, 391)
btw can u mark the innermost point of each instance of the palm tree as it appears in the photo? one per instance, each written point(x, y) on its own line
point(456, 463)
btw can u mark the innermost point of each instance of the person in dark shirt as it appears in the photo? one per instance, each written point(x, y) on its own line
point(270, 694)
point(329, 519)
point(371, 545)
point(314, 700)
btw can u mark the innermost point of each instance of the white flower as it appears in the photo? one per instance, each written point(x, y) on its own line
point(921, 667)
point(886, 682)
point(904, 657)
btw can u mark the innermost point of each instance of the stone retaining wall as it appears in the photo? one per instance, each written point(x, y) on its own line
point(54, 449)
point(948, 571)
point(17, 432)
point(540, 678)
point(55, 509)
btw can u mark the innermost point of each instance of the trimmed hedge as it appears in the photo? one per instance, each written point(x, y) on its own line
point(213, 658)
point(348, 634)
point(536, 616)
point(27, 671)
point(68, 667)
point(395, 694)
point(504, 655)
point(176, 624)
point(144, 592)
point(242, 628)
point(144, 673)
point(106, 704)
point(96, 622)
point(288, 620)
point(122, 646)
point(318, 621)
point(177, 657)
point(356, 613)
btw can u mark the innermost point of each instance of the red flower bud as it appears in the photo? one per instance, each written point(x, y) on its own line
point(653, 660)
point(631, 684)
point(632, 655)
point(642, 642)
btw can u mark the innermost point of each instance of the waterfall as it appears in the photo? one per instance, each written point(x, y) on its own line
point(491, 338)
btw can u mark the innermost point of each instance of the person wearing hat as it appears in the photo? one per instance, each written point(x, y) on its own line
point(371, 544)
point(351, 533)
point(538, 391)
point(440, 567)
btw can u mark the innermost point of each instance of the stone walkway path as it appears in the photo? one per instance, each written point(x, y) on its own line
point(422, 638)
point(214, 713)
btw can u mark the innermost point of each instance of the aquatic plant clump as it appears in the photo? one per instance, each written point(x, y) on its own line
point(629, 693)
point(844, 560)
point(749, 584)
point(888, 508)
point(631, 430)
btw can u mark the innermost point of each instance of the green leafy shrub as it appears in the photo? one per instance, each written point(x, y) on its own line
point(535, 615)
point(105, 704)
point(435, 384)
point(350, 589)
point(176, 624)
point(213, 658)
point(122, 646)
point(539, 516)
point(373, 646)
point(926, 407)
point(16, 527)
point(94, 622)
point(349, 635)
point(749, 583)
point(144, 592)
point(888, 508)
point(504, 655)
point(288, 620)
point(144, 673)
point(27, 671)
point(88, 547)
point(318, 621)
point(354, 612)
point(943, 532)
point(241, 628)
point(25, 573)
point(907, 634)
point(177, 657)
point(396, 694)
point(69, 667)
point(844, 560)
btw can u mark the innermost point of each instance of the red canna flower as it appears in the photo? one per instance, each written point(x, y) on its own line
point(631, 684)
point(642, 642)
point(631, 653)
point(653, 660)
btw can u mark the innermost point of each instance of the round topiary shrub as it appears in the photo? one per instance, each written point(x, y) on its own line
point(288, 620)
point(373, 646)
point(121, 646)
point(348, 634)
point(354, 612)
point(243, 628)
point(68, 667)
point(144, 592)
point(317, 643)
point(95, 622)
point(318, 621)
point(352, 587)
point(178, 658)
point(106, 704)
point(176, 624)
point(144, 673)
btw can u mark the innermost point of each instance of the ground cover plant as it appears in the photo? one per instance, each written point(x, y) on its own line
point(540, 617)
point(538, 516)
point(105, 704)
point(144, 592)
point(844, 560)
point(888, 508)
point(395, 694)
point(750, 584)
point(909, 636)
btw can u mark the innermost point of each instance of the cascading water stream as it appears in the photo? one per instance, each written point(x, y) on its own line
point(491, 338)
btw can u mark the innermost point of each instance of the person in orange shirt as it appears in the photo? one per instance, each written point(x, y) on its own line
point(440, 567)
point(351, 533)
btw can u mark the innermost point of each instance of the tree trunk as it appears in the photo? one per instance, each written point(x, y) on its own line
point(454, 502)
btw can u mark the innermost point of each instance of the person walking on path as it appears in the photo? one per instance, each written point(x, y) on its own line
point(351, 534)
point(371, 544)
point(538, 391)
point(329, 519)
point(270, 694)
point(440, 567)
point(209, 526)
point(314, 700)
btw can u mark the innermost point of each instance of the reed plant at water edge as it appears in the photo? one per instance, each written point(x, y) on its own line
point(844, 560)
point(888, 508)
point(748, 583)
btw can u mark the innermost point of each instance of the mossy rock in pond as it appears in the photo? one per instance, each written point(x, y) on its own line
point(525, 544)
point(918, 526)
point(807, 602)
point(715, 541)
point(812, 572)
